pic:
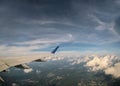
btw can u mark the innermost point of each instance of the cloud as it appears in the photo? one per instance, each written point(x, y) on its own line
point(107, 63)
point(117, 2)
point(102, 25)
point(114, 70)
point(101, 63)
point(38, 71)
point(15, 84)
point(27, 70)
point(59, 77)
point(69, 17)
point(27, 47)
point(105, 28)
point(10, 51)
point(41, 24)
point(62, 39)
point(50, 75)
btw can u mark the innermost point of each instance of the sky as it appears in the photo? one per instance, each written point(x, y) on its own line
point(85, 26)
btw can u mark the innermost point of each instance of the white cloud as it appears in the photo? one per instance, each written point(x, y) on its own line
point(79, 84)
point(15, 84)
point(64, 38)
point(48, 21)
point(58, 78)
point(77, 35)
point(27, 70)
point(107, 27)
point(114, 70)
point(32, 45)
point(104, 25)
point(18, 50)
point(38, 71)
point(50, 75)
point(101, 62)
point(108, 63)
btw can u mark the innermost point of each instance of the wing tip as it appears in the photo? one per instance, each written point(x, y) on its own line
point(54, 51)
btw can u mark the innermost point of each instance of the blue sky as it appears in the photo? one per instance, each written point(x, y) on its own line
point(32, 26)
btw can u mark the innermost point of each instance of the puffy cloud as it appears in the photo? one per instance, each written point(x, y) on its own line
point(107, 63)
point(79, 84)
point(101, 62)
point(50, 75)
point(59, 77)
point(114, 70)
point(15, 84)
point(38, 71)
point(110, 64)
point(27, 70)
point(78, 60)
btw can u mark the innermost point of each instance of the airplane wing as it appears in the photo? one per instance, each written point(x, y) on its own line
point(6, 63)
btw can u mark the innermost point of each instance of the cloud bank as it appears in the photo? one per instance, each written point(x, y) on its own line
point(101, 62)
point(109, 64)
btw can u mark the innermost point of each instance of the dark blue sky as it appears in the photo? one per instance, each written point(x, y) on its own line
point(30, 26)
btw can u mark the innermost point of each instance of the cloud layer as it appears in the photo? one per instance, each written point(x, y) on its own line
point(41, 23)
point(109, 64)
